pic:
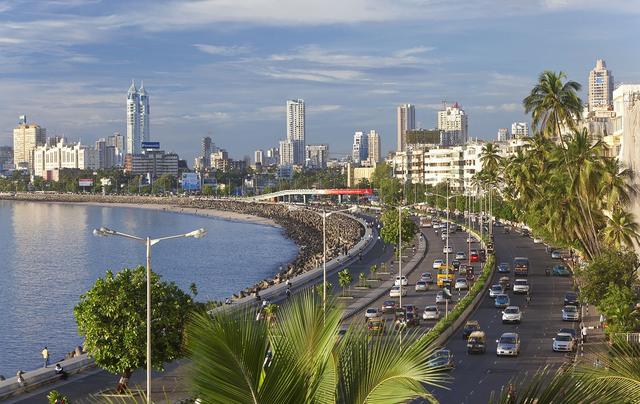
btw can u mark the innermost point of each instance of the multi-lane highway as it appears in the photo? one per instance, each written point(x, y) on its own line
point(476, 376)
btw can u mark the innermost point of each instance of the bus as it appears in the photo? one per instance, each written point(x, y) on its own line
point(425, 221)
point(521, 266)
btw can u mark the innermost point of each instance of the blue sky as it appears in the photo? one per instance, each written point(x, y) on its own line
point(226, 67)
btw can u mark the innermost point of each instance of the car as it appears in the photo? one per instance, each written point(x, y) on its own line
point(470, 239)
point(375, 326)
point(410, 308)
point(441, 298)
point(521, 286)
point(389, 306)
point(511, 314)
point(453, 227)
point(395, 291)
point(443, 235)
point(556, 254)
point(461, 284)
point(442, 358)
point(571, 299)
point(461, 256)
point(431, 313)
point(560, 270)
point(508, 344)
point(401, 280)
point(502, 301)
point(474, 257)
point(504, 268)
point(421, 286)
point(505, 282)
point(455, 264)
point(437, 263)
point(447, 250)
point(435, 225)
point(469, 327)
point(495, 290)
point(570, 313)
point(570, 331)
point(563, 342)
point(537, 240)
point(372, 312)
point(427, 277)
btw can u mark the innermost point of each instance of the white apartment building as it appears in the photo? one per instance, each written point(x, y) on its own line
point(26, 138)
point(503, 134)
point(296, 129)
point(287, 153)
point(519, 130)
point(258, 157)
point(317, 155)
point(600, 87)
point(373, 156)
point(406, 120)
point(452, 120)
point(360, 148)
point(63, 156)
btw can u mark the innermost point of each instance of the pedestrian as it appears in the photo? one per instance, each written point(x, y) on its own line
point(288, 282)
point(45, 356)
point(288, 293)
point(60, 371)
point(19, 378)
point(601, 320)
point(584, 334)
point(528, 298)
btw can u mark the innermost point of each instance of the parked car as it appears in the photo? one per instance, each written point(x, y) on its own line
point(437, 263)
point(571, 299)
point(561, 270)
point(431, 313)
point(570, 313)
point(442, 358)
point(372, 312)
point(556, 254)
point(401, 280)
point(461, 284)
point(504, 268)
point(461, 256)
point(508, 344)
point(511, 314)
point(563, 342)
point(502, 301)
point(395, 291)
point(469, 327)
point(427, 277)
point(495, 290)
point(389, 306)
point(521, 286)
point(421, 286)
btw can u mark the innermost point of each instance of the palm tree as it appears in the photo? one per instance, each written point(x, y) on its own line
point(344, 279)
point(302, 359)
point(372, 270)
point(490, 159)
point(621, 230)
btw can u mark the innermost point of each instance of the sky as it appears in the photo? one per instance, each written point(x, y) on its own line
point(225, 68)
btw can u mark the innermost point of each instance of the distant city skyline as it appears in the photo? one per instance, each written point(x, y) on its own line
point(67, 64)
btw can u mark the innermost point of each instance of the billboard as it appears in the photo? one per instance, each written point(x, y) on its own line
point(85, 182)
point(150, 145)
point(190, 181)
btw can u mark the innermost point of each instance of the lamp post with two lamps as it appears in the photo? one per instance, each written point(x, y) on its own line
point(104, 232)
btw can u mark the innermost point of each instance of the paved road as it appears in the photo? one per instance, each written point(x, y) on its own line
point(476, 376)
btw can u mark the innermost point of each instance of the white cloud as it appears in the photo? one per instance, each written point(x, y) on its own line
point(508, 107)
point(317, 109)
point(222, 50)
point(318, 75)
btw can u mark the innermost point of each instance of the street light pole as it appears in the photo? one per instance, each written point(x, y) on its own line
point(400, 251)
point(446, 301)
point(324, 261)
point(104, 231)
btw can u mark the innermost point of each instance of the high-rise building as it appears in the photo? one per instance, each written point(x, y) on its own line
point(374, 147)
point(287, 151)
point(6, 156)
point(452, 120)
point(152, 162)
point(258, 157)
point(206, 151)
point(26, 137)
point(503, 134)
point(47, 158)
point(406, 117)
point(317, 155)
point(273, 157)
point(116, 141)
point(360, 149)
point(296, 129)
point(519, 130)
point(137, 118)
point(600, 87)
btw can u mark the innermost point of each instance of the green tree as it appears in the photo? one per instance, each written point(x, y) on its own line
point(612, 267)
point(373, 269)
point(363, 279)
point(112, 319)
point(308, 364)
point(618, 305)
point(208, 190)
point(389, 231)
point(55, 397)
point(621, 229)
point(344, 280)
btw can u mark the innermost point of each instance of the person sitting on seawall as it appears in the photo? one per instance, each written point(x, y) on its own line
point(60, 371)
point(19, 378)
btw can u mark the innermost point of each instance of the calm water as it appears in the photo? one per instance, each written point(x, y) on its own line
point(48, 257)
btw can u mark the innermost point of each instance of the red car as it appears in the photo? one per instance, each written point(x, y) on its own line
point(474, 257)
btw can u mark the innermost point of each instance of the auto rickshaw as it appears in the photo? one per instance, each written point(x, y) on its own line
point(476, 343)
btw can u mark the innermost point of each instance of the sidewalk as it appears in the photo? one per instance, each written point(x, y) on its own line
point(596, 344)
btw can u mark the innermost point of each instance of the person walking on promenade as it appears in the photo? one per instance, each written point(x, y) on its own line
point(45, 356)
point(584, 334)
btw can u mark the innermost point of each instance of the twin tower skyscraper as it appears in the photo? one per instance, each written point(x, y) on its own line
point(137, 118)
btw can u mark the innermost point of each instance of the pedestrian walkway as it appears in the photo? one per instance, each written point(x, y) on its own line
point(595, 344)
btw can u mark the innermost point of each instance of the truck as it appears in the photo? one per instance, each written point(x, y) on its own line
point(521, 266)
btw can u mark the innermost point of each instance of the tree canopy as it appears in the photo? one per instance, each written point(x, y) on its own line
point(389, 231)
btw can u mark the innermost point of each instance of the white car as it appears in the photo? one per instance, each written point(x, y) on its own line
point(431, 313)
point(508, 344)
point(440, 299)
point(495, 290)
point(563, 342)
point(511, 314)
point(421, 286)
point(570, 313)
point(461, 284)
point(427, 277)
point(443, 235)
point(447, 250)
point(521, 286)
point(435, 225)
point(537, 240)
point(402, 280)
point(470, 239)
point(437, 264)
point(372, 312)
point(395, 291)
point(461, 256)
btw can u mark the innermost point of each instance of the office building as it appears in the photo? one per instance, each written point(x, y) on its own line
point(452, 121)
point(406, 120)
point(317, 155)
point(153, 162)
point(600, 87)
point(519, 130)
point(373, 156)
point(258, 157)
point(138, 113)
point(296, 129)
point(26, 137)
point(503, 134)
point(49, 158)
point(6, 157)
point(360, 148)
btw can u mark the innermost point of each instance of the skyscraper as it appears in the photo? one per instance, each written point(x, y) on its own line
point(452, 120)
point(360, 150)
point(258, 156)
point(26, 137)
point(317, 155)
point(206, 151)
point(137, 118)
point(600, 87)
point(374, 147)
point(296, 129)
point(519, 130)
point(406, 121)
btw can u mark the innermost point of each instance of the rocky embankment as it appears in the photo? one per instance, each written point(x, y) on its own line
point(300, 225)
